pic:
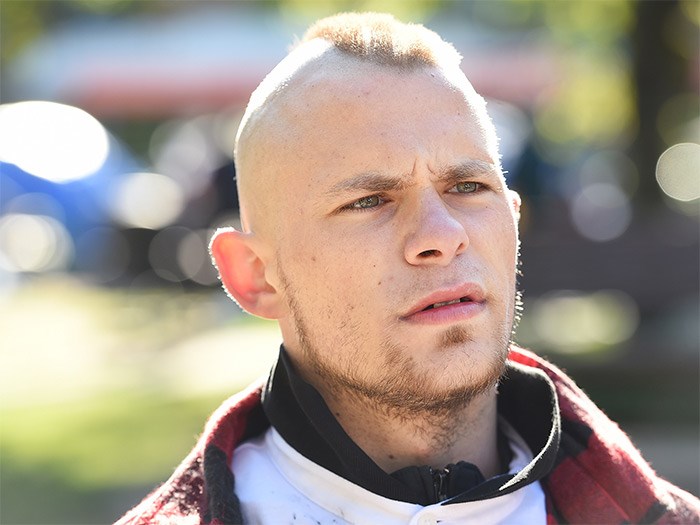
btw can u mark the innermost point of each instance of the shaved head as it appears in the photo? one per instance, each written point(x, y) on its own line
point(335, 50)
point(369, 181)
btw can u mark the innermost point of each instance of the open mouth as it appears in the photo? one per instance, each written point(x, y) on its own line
point(447, 303)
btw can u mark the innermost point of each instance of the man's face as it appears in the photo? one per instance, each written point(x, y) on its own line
point(390, 203)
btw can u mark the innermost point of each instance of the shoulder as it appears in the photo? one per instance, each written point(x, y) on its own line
point(201, 488)
point(178, 500)
point(600, 476)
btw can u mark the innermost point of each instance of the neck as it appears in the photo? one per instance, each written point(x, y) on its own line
point(435, 438)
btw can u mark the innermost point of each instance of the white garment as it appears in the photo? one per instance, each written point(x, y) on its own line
point(276, 484)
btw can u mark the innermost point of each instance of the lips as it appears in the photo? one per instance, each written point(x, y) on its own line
point(464, 293)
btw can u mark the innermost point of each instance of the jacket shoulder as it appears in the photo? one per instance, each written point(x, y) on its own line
point(178, 500)
point(201, 488)
point(600, 476)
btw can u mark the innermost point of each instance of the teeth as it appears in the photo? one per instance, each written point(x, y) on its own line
point(438, 305)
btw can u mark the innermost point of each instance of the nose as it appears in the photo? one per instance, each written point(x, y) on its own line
point(436, 236)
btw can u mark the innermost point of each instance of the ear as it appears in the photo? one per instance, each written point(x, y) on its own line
point(515, 202)
point(242, 272)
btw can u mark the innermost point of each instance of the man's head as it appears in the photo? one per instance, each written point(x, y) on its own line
point(371, 193)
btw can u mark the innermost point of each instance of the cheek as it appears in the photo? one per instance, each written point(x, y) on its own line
point(500, 239)
point(352, 250)
point(352, 273)
point(324, 266)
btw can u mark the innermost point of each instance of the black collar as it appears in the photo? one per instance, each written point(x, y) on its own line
point(526, 399)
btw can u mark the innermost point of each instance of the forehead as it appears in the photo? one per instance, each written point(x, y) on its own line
point(338, 116)
point(370, 113)
point(340, 86)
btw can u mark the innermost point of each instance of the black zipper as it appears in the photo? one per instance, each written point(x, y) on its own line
point(440, 478)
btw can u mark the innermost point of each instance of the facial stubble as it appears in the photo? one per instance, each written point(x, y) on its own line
point(397, 386)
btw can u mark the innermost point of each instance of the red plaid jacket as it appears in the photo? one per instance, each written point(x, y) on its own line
point(599, 477)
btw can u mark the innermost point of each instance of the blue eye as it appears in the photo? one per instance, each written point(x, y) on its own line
point(366, 202)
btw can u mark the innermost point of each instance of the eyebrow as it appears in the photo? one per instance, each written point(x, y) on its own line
point(369, 182)
point(376, 182)
point(469, 169)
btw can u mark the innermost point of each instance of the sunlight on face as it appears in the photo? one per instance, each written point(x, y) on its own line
point(386, 191)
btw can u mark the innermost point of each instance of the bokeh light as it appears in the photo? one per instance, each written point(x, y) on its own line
point(594, 105)
point(185, 152)
point(34, 243)
point(52, 141)
point(601, 212)
point(193, 258)
point(146, 200)
point(578, 322)
point(678, 172)
point(35, 203)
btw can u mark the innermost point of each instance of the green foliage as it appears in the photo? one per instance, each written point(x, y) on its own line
point(407, 10)
point(122, 439)
point(93, 415)
point(104, 6)
point(20, 24)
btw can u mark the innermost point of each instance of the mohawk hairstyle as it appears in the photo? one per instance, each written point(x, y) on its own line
point(383, 39)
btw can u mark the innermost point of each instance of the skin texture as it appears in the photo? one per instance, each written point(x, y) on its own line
point(368, 189)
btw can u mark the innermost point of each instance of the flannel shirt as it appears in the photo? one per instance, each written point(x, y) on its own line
point(599, 476)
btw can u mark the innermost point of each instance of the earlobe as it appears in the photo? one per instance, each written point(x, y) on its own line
point(242, 272)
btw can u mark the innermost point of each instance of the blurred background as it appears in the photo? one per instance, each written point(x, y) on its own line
point(117, 121)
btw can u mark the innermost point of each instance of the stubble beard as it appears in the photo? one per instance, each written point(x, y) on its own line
point(397, 387)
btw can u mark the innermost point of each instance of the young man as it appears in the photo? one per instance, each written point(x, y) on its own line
point(378, 230)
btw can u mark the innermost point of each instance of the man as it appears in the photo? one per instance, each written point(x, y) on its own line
point(378, 230)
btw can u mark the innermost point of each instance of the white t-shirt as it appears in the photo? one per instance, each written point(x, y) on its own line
point(276, 484)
